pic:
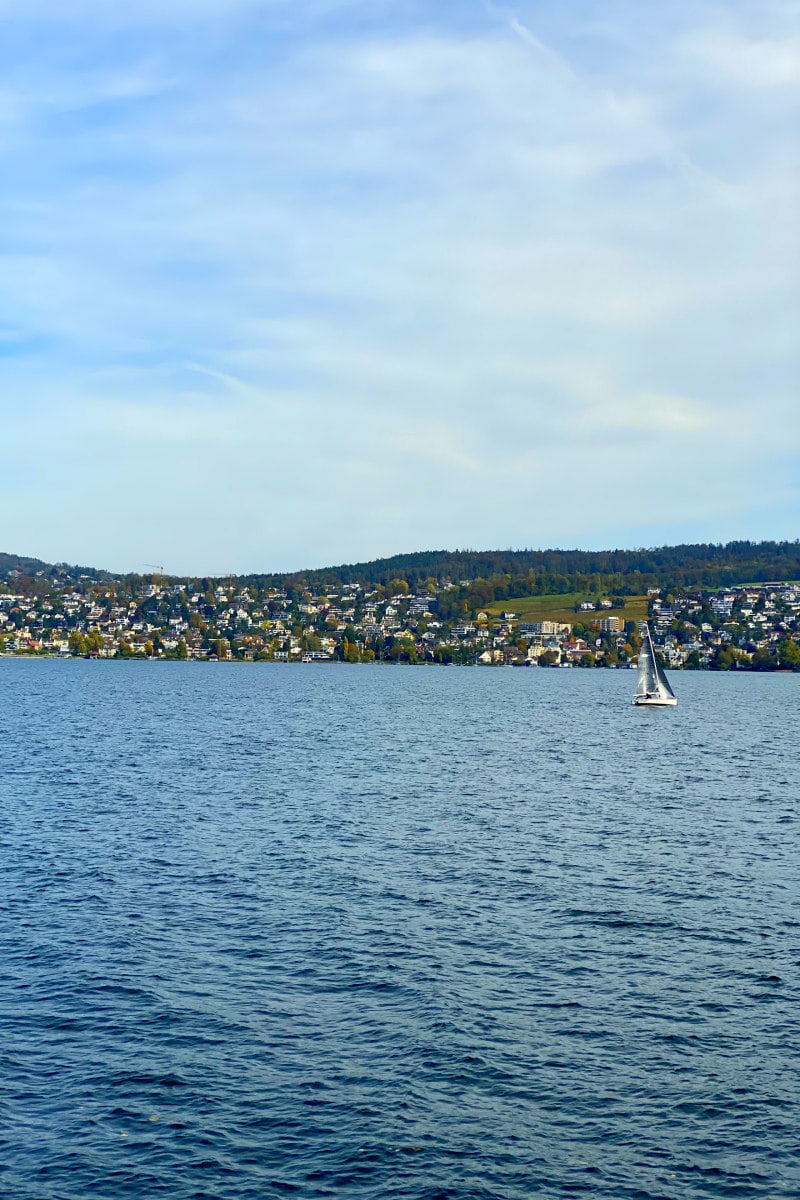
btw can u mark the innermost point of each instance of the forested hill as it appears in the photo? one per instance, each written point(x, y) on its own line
point(500, 574)
point(19, 566)
point(553, 571)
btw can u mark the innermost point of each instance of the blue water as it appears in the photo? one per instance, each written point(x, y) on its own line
point(385, 932)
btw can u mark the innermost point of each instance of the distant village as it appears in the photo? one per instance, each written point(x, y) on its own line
point(750, 627)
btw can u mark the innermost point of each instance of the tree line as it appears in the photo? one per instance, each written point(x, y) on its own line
point(481, 577)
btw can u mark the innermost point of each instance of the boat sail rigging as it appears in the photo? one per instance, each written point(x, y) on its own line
point(652, 687)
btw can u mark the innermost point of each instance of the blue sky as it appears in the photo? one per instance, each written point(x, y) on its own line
point(286, 284)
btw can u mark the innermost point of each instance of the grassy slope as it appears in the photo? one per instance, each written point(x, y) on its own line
point(562, 608)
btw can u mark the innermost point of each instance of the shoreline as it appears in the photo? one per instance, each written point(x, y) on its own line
point(233, 662)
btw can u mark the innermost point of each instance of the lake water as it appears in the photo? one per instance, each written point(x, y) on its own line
point(384, 932)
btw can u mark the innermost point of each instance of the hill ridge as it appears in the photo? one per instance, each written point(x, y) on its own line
point(505, 572)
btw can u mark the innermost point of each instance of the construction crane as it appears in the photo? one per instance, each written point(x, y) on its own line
point(158, 574)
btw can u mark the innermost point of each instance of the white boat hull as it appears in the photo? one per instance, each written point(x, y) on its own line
point(655, 701)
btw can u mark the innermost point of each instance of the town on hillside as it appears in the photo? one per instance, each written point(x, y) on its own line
point(754, 627)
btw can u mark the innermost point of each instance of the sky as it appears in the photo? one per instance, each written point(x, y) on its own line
point(288, 283)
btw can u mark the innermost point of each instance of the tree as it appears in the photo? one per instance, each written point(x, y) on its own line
point(349, 651)
point(94, 641)
point(77, 642)
point(723, 659)
point(182, 650)
point(789, 654)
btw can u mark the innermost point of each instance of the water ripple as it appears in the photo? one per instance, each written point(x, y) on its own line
point(396, 934)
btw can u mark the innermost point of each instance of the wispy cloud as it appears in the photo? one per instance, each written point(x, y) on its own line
point(729, 57)
point(417, 275)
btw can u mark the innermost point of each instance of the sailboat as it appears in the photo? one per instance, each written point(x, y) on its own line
point(651, 684)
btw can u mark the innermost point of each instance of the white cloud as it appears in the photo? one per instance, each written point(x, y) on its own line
point(347, 261)
point(734, 59)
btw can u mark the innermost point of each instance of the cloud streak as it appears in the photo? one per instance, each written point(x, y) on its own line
point(383, 283)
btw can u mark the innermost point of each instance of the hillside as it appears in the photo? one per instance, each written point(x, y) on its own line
point(561, 607)
point(543, 572)
point(488, 576)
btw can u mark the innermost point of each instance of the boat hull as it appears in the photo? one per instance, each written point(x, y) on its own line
point(654, 701)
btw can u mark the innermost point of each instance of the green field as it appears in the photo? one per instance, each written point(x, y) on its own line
point(562, 608)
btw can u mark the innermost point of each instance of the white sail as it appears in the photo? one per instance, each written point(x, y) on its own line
point(647, 680)
point(663, 682)
point(651, 683)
